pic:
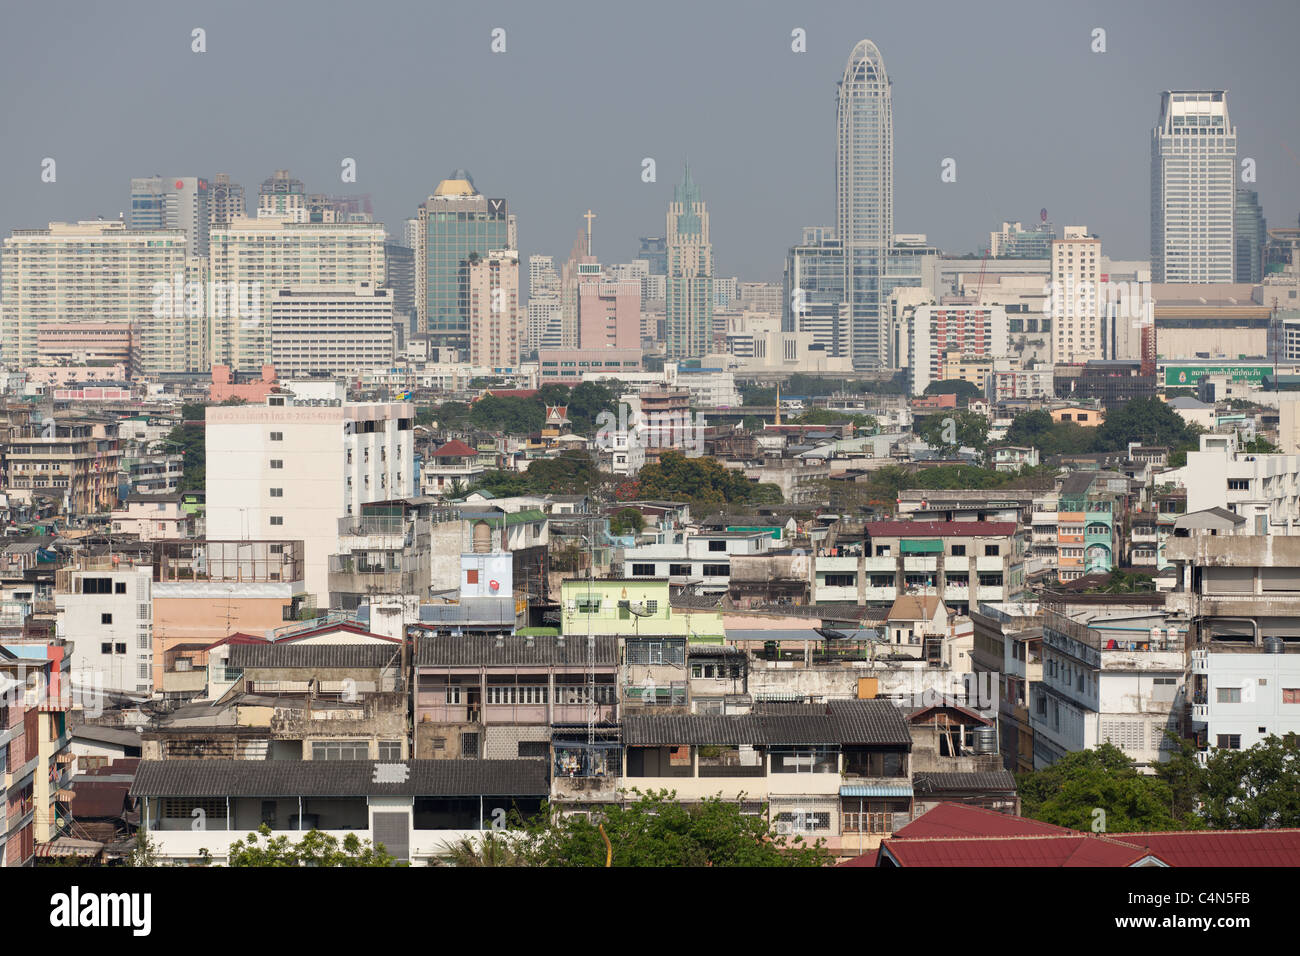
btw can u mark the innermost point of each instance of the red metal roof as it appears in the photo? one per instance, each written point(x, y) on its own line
point(923, 529)
point(952, 834)
point(1220, 847)
point(454, 449)
point(961, 820)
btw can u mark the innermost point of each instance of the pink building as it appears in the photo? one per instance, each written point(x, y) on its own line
point(224, 386)
point(62, 376)
point(609, 314)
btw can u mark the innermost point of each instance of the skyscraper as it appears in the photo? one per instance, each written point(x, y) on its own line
point(495, 328)
point(226, 202)
point(864, 196)
point(281, 197)
point(1251, 236)
point(688, 309)
point(1193, 185)
point(452, 223)
point(814, 274)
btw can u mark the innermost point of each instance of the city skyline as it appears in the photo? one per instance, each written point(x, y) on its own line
point(1101, 178)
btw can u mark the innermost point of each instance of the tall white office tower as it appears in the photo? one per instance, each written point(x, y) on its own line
point(1193, 188)
point(864, 197)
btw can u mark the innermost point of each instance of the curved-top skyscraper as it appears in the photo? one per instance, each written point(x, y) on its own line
point(864, 196)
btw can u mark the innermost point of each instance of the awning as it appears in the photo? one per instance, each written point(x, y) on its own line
point(64, 796)
point(872, 790)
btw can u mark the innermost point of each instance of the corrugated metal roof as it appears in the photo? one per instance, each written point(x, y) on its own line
point(882, 790)
point(948, 782)
point(839, 722)
point(340, 778)
point(316, 655)
point(434, 650)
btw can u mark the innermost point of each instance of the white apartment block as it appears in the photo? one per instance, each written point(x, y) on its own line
point(495, 331)
point(95, 273)
point(254, 258)
point(291, 470)
point(105, 609)
point(1075, 304)
point(934, 331)
point(331, 328)
point(1263, 489)
point(1110, 675)
point(1193, 188)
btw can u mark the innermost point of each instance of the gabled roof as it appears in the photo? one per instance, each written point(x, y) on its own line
point(1040, 851)
point(960, 820)
point(1220, 847)
point(454, 449)
point(340, 778)
point(294, 654)
point(915, 607)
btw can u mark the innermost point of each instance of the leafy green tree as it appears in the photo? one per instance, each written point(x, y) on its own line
point(508, 414)
point(1146, 420)
point(757, 395)
point(765, 493)
point(190, 441)
point(658, 831)
point(1070, 791)
point(627, 521)
point(492, 849)
point(586, 403)
point(314, 849)
point(964, 390)
point(953, 430)
point(1253, 789)
point(1259, 445)
point(704, 480)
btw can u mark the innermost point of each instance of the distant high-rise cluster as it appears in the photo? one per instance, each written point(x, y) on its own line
point(688, 311)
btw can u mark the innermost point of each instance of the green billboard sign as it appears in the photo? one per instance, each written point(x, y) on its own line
point(1188, 376)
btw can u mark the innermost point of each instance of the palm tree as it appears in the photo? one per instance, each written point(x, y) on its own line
point(493, 849)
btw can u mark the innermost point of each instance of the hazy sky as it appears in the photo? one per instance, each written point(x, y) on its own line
point(562, 120)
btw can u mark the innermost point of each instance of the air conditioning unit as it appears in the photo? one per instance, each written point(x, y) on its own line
point(784, 828)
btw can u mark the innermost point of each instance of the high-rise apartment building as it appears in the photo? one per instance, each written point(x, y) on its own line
point(1193, 186)
point(688, 309)
point(252, 259)
point(226, 201)
point(452, 223)
point(864, 197)
point(495, 329)
point(609, 313)
point(331, 329)
point(544, 303)
point(184, 203)
point(282, 197)
point(98, 273)
point(1076, 303)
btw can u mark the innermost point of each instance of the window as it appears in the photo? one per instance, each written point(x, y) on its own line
point(1291, 695)
point(119, 587)
point(106, 648)
point(469, 745)
point(390, 750)
point(1229, 695)
point(841, 580)
point(277, 463)
point(533, 748)
point(277, 492)
point(679, 570)
point(1229, 742)
point(340, 750)
point(96, 585)
point(959, 550)
point(105, 619)
point(643, 570)
point(1238, 484)
point(471, 576)
point(717, 570)
point(717, 546)
point(588, 605)
point(882, 550)
point(453, 695)
point(277, 519)
point(277, 436)
point(992, 550)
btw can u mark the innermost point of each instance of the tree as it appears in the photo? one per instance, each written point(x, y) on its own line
point(658, 831)
point(493, 848)
point(145, 851)
point(190, 441)
point(1146, 420)
point(963, 389)
point(1259, 445)
point(1071, 791)
point(314, 849)
point(704, 480)
point(586, 403)
point(953, 430)
point(1253, 789)
point(627, 521)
